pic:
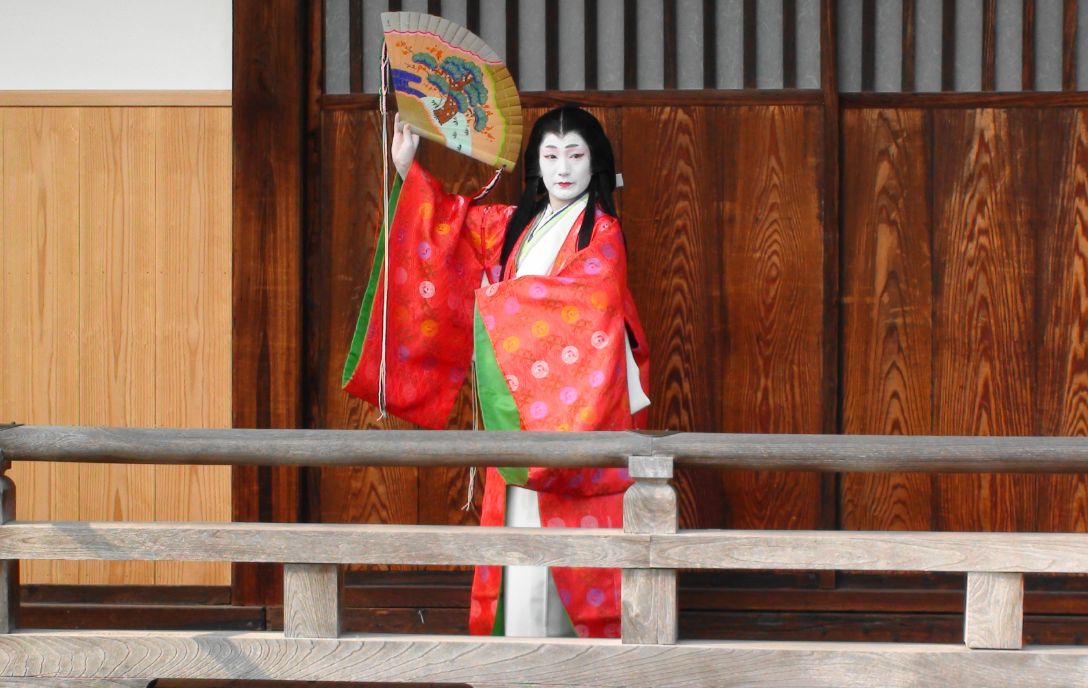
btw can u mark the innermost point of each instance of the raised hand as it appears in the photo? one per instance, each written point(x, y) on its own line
point(403, 149)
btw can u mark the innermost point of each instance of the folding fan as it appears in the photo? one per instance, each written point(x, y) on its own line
point(452, 88)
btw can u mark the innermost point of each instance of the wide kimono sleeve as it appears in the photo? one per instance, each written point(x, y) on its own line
point(438, 246)
point(557, 341)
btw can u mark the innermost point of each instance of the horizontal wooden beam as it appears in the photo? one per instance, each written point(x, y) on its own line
point(619, 98)
point(293, 543)
point(452, 545)
point(877, 453)
point(320, 447)
point(506, 661)
point(872, 551)
point(829, 453)
point(1032, 99)
point(115, 98)
point(76, 683)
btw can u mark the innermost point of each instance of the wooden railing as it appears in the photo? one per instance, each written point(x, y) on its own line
point(649, 549)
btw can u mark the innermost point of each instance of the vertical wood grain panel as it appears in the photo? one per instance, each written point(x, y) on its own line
point(983, 326)
point(887, 374)
point(672, 286)
point(868, 45)
point(989, 44)
point(39, 343)
point(112, 218)
point(192, 348)
point(269, 102)
point(1069, 45)
point(1027, 51)
point(908, 46)
point(773, 286)
point(751, 26)
point(117, 313)
point(352, 197)
point(1061, 404)
point(948, 46)
point(630, 44)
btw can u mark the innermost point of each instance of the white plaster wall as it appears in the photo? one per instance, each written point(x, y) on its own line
point(115, 44)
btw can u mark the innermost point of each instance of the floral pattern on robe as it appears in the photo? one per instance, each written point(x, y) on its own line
point(549, 352)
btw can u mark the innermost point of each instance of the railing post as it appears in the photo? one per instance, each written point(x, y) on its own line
point(9, 568)
point(649, 595)
point(995, 611)
point(311, 600)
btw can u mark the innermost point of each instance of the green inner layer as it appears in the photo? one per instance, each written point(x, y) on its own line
point(371, 289)
point(496, 402)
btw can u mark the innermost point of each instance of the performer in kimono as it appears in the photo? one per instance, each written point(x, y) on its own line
point(536, 296)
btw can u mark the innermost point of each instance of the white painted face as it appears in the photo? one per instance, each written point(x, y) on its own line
point(564, 167)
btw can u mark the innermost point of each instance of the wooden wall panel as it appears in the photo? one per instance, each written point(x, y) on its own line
point(269, 90)
point(117, 314)
point(39, 344)
point(984, 304)
point(772, 290)
point(674, 244)
point(679, 231)
point(352, 199)
point(887, 307)
point(192, 355)
point(116, 266)
point(1061, 406)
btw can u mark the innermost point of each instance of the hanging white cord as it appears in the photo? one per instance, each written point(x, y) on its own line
point(475, 426)
point(384, 114)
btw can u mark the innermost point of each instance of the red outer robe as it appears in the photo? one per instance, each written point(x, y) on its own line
point(558, 341)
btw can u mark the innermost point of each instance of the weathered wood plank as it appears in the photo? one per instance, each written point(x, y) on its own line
point(832, 453)
point(324, 447)
point(649, 596)
point(9, 568)
point(878, 453)
point(327, 543)
point(452, 659)
point(309, 543)
point(76, 682)
point(311, 600)
point(995, 611)
point(869, 551)
point(650, 613)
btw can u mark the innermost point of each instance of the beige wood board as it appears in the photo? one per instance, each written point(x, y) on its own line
point(75, 98)
point(117, 312)
point(502, 661)
point(192, 355)
point(39, 380)
point(115, 224)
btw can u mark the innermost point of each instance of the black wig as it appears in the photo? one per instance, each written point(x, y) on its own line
point(560, 121)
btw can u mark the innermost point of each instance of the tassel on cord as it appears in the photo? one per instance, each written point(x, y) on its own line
point(383, 92)
point(488, 187)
